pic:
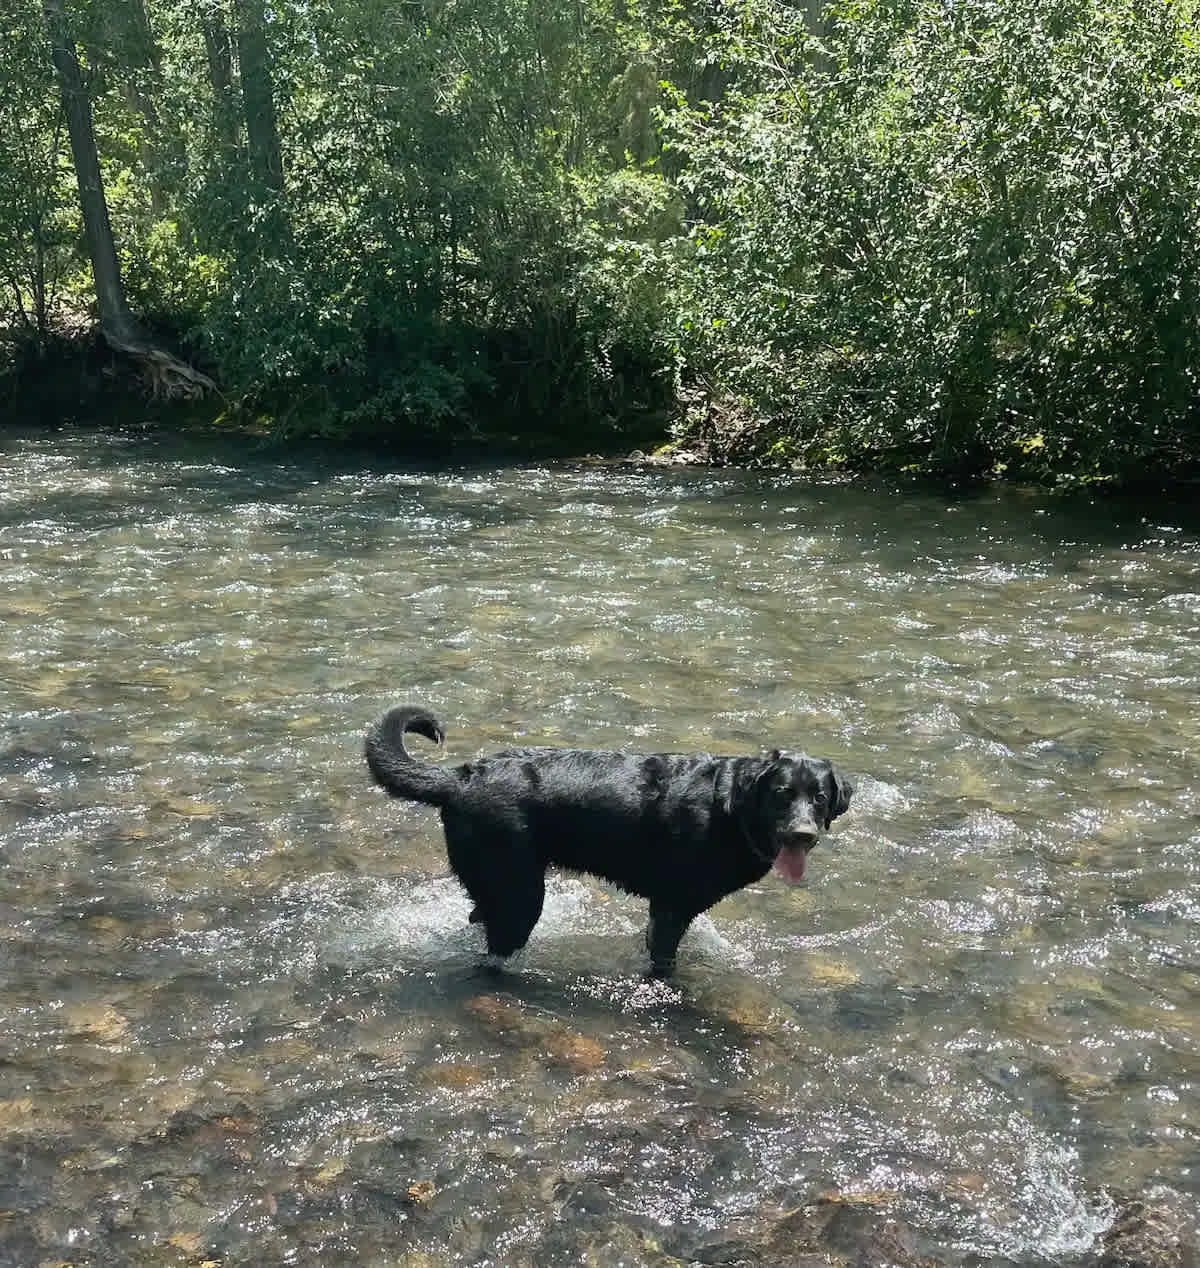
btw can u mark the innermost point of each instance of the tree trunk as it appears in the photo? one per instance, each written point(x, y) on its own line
point(219, 48)
point(116, 321)
point(164, 373)
point(258, 96)
point(817, 21)
point(38, 287)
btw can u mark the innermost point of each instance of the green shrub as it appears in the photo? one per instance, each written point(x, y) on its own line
point(959, 236)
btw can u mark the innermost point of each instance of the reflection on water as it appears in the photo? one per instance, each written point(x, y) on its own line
point(241, 1015)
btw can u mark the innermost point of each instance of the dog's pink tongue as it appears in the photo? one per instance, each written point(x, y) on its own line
point(790, 864)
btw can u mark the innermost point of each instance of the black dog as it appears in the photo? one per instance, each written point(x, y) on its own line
point(683, 831)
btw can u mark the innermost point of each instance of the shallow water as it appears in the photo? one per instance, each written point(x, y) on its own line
point(242, 1017)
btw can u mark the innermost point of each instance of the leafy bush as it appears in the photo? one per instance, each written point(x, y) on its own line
point(959, 236)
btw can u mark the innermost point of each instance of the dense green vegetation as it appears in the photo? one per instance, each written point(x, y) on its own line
point(958, 236)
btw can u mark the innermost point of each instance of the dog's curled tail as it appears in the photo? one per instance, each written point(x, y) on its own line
point(393, 766)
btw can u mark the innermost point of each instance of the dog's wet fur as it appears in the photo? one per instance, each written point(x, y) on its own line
point(683, 830)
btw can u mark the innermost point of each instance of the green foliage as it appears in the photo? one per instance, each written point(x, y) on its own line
point(956, 236)
point(169, 280)
point(38, 219)
point(959, 236)
point(436, 270)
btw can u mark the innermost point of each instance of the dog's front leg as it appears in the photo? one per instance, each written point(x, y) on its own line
point(663, 933)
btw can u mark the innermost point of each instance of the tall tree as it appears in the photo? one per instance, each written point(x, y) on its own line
point(166, 373)
point(116, 321)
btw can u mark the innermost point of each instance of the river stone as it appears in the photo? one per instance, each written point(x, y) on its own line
point(455, 1074)
point(17, 1116)
point(1145, 1235)
point(549, 1040)
point(101, 1023)
point(577, 1052)
point(835, 1231)
point(828, 972)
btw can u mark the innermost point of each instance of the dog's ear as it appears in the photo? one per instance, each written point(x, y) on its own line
point(839, 790)
point(745, 773)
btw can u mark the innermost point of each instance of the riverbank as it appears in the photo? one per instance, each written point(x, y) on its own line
point(77, 382)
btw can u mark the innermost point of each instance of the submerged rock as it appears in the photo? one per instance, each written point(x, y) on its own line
point(1145, 1235)
point(454, 1074)
point(577, 1052)
point(835, 1231)
point(552, 1042)
point(421, 1192)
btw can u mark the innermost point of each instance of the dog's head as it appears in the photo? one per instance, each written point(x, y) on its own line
point(784, 803)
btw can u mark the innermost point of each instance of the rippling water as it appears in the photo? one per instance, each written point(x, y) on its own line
point(241, 1016)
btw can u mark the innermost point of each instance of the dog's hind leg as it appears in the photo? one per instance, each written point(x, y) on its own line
point(510, 922)
point(663, 933)
point(502, 874)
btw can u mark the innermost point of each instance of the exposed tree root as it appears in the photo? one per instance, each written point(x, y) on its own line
point(165, 376)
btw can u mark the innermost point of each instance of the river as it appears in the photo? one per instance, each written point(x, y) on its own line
point(242, 1017)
